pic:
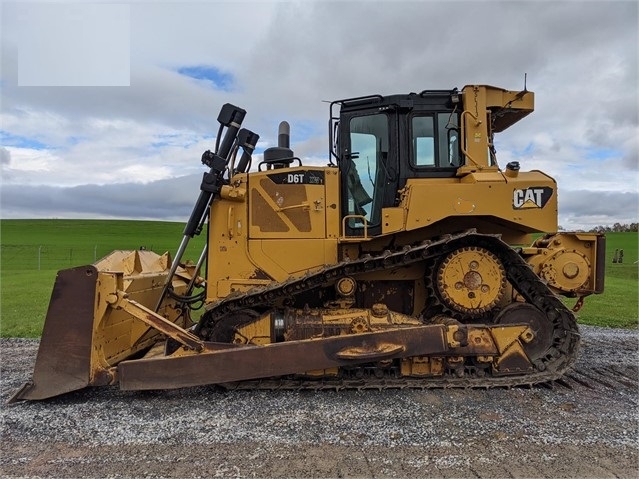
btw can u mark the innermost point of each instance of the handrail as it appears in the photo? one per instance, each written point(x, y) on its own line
point(354, 238)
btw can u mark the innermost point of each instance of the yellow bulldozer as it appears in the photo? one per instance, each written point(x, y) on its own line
point(411, 260)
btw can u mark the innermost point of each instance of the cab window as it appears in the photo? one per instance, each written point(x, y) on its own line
point(423, 141)
point(448, 127)
point(435, 141)
point(365, 168)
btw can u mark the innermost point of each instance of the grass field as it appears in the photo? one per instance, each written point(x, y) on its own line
point(33, 251)
point(618, 306)
point(57, 244)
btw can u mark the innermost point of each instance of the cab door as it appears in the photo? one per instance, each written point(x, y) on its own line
point(369, 168)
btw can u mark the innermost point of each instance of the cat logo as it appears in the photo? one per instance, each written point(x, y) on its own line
point(533, 197)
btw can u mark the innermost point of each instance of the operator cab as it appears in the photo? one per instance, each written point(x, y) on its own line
point(379, 142)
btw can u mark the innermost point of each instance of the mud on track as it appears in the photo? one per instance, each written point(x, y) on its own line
point(585, 425)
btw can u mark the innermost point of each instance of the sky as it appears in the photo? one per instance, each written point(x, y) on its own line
point(106, 108)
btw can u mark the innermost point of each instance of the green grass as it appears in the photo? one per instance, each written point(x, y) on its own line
point(123, 234)
point(59, 244)
point(618, 306)
point(615, 308)
point(24, 302)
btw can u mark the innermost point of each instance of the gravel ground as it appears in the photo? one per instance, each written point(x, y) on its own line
point(586, 425)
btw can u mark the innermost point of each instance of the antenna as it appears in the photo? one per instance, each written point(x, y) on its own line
point(521, 94)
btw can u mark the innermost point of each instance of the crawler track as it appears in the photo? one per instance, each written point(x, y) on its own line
point(550, 366)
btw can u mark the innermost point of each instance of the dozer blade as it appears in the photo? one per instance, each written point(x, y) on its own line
point(96, 319)
point(63, 360)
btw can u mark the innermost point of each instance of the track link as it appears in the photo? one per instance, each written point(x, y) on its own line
point(551, 366)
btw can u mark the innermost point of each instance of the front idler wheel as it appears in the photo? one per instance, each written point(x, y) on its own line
point(524, 313)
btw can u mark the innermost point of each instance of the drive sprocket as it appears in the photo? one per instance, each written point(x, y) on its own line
point(471, 280)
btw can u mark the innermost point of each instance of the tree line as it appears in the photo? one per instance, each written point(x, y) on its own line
point(616, 228)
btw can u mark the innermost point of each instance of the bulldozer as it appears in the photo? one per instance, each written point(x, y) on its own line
point(410, 260)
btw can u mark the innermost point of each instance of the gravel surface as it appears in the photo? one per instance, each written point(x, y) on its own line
point(586, 425)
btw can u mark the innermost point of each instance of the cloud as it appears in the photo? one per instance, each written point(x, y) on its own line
point(5, 156)
point(586, 208)
point(170, 199)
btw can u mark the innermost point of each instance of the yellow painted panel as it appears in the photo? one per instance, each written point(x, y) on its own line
point(295, 256)
point(288, 202)
point(333, 207)
point(393, 219)
point(514, 200)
